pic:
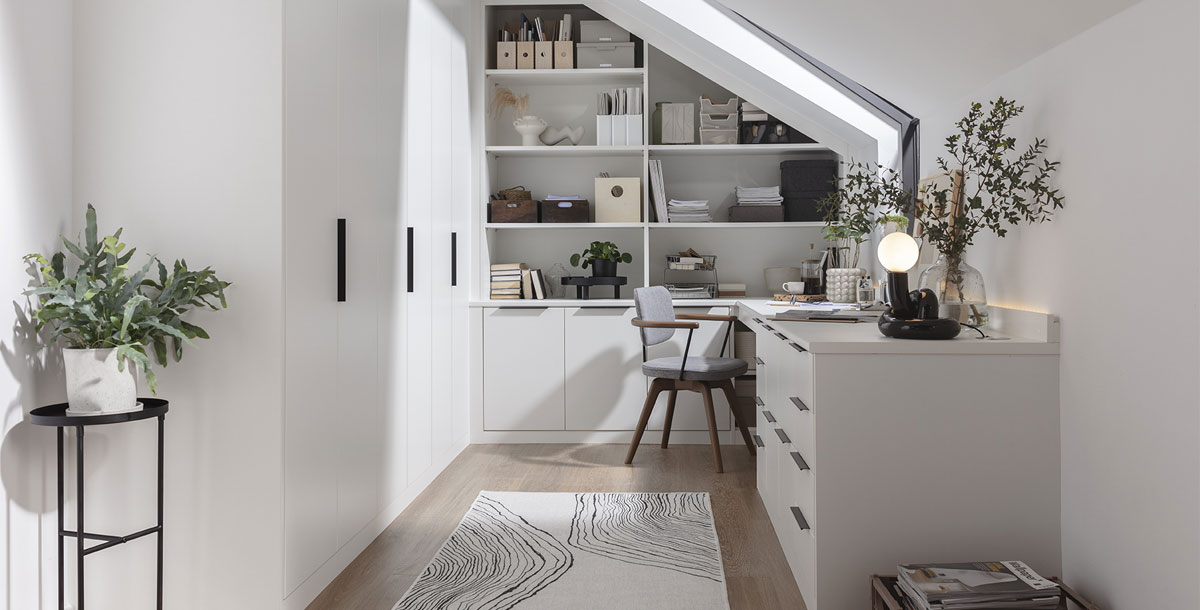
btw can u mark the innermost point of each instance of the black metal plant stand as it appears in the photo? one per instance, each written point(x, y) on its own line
point(56, 416)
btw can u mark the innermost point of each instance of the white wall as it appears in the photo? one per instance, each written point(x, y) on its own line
point(178, 139)
point(1120, 265)
point(35, 196)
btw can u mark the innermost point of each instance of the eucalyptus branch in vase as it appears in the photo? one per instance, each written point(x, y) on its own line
point(867, 195)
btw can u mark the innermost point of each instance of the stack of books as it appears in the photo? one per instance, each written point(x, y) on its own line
point(758, 195)
point(688, 211)
point(992, 585)
point(517, 281)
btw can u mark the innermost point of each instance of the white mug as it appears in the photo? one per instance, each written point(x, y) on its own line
point(793, 287)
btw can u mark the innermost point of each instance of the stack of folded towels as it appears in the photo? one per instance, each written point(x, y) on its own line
point(758, 195)
point(688, 211)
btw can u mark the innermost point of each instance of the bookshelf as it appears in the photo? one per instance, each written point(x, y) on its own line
point(567, 97)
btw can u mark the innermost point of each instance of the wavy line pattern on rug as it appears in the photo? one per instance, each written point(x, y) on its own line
point(494, 560)
point(672, 531)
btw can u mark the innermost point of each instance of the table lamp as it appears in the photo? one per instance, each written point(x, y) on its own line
point(910, 315)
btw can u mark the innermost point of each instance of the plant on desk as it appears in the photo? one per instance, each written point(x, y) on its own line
point(868, 195)
point(603, 257)
point(111, 320)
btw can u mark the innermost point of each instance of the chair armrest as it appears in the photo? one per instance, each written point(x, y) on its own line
point(640, 323)
point(705, 316)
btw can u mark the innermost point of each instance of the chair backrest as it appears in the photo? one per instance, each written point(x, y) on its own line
point(653, 304)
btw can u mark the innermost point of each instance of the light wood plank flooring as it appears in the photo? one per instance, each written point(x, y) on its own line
point(756, 570)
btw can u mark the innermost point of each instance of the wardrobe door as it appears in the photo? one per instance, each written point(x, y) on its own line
point(461, 184)
point(442, 37)
point(419, 202)
point(310, 284)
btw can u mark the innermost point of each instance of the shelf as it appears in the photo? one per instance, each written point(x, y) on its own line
point(736, 225)
point(578, 76)
point(565, 151)
point(667, 150)
point(563, 225)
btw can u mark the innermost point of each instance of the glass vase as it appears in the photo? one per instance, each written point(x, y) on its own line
point(959, 288)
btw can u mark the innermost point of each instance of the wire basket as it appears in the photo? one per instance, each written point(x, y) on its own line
point(692, 291)
point(710, 262)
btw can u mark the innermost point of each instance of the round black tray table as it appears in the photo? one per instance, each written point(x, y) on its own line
point(56, 416)
point(583, 283)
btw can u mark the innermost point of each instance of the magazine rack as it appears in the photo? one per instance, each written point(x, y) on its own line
point(883, 598)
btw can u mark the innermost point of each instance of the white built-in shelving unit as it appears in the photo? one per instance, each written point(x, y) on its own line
point(567, 97)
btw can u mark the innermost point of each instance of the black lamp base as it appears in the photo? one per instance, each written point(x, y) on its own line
point(902, 328)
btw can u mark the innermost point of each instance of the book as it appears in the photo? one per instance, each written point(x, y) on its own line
point(516, 291)
point(505, 296)
point(539, 284)
point(503, 285)
point(509, 266)
point(526, 287)
point(990, 585)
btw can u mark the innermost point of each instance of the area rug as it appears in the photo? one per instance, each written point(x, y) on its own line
point(577, 551)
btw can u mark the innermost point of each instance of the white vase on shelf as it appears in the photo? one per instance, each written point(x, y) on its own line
point(530, 127)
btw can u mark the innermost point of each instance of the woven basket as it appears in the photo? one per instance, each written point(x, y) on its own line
point(516, 193)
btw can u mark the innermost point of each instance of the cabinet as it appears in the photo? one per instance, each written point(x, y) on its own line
point(604, 384)
point(523, 369)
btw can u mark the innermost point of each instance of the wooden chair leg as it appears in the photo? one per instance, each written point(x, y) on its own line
point(727, 387)
point(670, 415)
point(713, 435)
point(656, 388)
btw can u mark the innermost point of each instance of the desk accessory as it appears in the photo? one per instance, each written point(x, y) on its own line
point(909, 315)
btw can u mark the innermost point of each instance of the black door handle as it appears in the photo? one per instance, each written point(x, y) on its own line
point(453, 258)
point(410, 259)
point(341, 260)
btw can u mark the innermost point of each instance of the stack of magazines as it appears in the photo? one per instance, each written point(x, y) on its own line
point(758, 195)
point(993, 585)
point(688, 211)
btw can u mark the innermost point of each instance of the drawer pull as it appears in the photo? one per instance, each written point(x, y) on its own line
point(758, 441)
point(758, 361)
point(800, 461)
point(759, 320)
point(799, 403)
point(768, 327)
point(781, 336)
point(769, 416)
point(783, 437)
point(759, 401)
point(798, 348)
point(800, 520)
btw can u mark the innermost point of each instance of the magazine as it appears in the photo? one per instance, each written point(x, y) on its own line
point(968, 586)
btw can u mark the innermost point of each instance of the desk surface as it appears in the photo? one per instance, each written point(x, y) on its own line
point(864, 337)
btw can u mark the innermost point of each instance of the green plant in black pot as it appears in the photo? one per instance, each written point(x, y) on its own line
point(603, 257)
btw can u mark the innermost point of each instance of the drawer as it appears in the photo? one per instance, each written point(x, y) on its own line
point(799, 365)
point(604, 55)
point(762, 428)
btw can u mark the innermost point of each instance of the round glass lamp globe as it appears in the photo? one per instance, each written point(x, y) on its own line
point(898, 252)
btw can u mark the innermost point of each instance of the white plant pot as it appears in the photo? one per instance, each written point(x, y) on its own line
point(530, 127)
point(95, 384)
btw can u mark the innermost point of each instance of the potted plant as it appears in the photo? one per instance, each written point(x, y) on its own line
point(528, 126)
point(113, 322)
point(990, 187)
point(866, 196)
point(603, 257)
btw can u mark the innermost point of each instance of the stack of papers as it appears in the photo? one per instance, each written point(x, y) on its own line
point(758, 195)
point(688, 211)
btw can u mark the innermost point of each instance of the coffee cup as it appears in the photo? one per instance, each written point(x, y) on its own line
point(793, 287)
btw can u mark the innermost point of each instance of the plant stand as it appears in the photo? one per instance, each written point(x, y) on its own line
point(56, 416)
point(582, 284)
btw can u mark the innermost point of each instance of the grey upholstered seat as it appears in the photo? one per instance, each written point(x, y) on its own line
point(699, 368)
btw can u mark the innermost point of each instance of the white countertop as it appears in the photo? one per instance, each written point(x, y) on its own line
point(865, 338)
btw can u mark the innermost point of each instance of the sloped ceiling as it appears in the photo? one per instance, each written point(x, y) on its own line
point(923, 54)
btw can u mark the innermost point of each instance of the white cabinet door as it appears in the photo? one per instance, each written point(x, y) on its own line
point(442, 37)
point(605, 387)
point(523, 375)
point(689, 406)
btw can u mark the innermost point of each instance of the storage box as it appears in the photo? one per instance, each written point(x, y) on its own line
point(525, 55)
point(601, 30)
point(565, 210)
point(756, 213)
point(564, 54)
point(803, 206)
point(506, 55)
point(798, 175)
point(604, 123)
point(718, 136)
point(504, 210)
point(543, 55)
point(603, 55)
point(718, 121)
point(707, 106)
point(634, 130)
point(674, 123)
point(618, 199)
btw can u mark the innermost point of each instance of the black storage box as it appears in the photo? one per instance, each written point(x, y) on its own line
point(756, 213)
point(803, 183)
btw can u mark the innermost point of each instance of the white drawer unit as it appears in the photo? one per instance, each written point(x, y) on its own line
point(879, 451)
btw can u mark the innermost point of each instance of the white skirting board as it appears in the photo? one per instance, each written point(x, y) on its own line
point(312, 587)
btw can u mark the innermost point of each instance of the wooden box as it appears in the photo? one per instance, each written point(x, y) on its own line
point(565, 210)
point(618, 199)
point(504, 210)
point(506, 55)
point(564, 54)
point(543, 55)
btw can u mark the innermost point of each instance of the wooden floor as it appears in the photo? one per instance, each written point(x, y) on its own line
point(755, 568)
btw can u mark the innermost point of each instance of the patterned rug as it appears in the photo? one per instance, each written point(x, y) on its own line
point(577, 551)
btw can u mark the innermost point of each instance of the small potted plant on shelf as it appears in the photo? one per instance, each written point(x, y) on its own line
point(603, 257)
point(112, 321)
point(985, 185)
point(868, 195)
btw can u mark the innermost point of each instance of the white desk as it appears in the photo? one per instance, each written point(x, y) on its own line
point(877, 451)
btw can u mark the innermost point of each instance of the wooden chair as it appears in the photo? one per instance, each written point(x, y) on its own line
point(657, 323)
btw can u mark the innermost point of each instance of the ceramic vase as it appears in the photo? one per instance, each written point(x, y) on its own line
point(95, 383)
point(530, 127)
point(841, 284)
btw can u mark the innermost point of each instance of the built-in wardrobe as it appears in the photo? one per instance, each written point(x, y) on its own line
point(376, 174)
